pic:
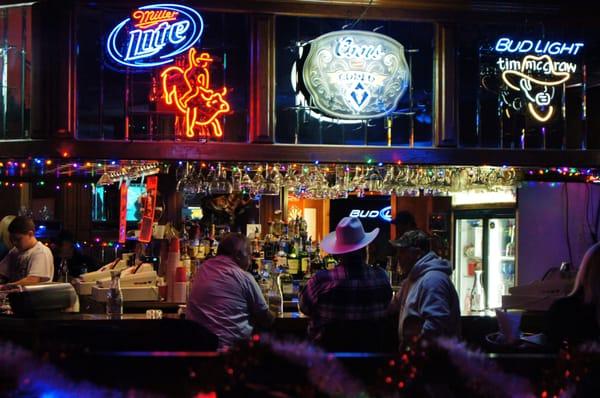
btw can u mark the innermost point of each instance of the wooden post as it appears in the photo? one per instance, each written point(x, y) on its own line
point(262, 78)
point(444, 75)
point(53, 78)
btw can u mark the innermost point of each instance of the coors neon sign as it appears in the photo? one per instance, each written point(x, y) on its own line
point(355, 74)
point(154, 35)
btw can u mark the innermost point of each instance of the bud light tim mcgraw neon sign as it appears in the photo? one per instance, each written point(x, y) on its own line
point(153, 35)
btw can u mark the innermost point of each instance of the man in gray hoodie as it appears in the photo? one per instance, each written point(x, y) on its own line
point(427, 300)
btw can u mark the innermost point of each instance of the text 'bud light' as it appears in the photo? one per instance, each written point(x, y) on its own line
point(385, 213)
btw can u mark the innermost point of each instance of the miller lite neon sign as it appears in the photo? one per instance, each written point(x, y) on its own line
point(154, 35)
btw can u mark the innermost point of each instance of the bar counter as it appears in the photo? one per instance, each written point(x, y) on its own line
point(95, 332)
point(176, 357)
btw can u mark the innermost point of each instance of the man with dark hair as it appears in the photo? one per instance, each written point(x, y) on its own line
point(427, 300)
point(225, 298)
point(29, 262)
point(404, 222)
point(350, 296)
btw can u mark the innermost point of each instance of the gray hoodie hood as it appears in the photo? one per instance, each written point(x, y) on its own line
point(430, 262)
point(431, 297)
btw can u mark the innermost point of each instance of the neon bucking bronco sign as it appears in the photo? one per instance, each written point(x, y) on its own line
point(190, 90)
point(154, 35)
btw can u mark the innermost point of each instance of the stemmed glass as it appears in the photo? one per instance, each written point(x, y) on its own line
point(273, 181)
point(388, 184)
point(258, 182)
point(219, 184)
point(373, 181)
point(246, 184)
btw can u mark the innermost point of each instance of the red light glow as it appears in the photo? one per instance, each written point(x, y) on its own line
point(189, 89)
point(148, 18)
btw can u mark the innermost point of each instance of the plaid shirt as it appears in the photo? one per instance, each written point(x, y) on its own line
point(345, 294)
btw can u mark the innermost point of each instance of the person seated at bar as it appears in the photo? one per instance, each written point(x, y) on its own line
point(427, 296)
point(77, 262)
point(225, 298)
point(5, 244)
point(29, 262)
point(347, 305)
point(576, 317)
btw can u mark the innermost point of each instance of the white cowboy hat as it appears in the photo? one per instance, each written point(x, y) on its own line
point(552, 78)
point(349, 235)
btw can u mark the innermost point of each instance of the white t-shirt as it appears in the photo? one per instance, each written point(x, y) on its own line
point(37, 261)
point(224, 299)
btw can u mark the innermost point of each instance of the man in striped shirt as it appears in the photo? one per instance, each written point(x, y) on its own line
point(353, 291)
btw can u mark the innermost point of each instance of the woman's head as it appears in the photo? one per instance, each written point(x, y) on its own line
point(588, 276)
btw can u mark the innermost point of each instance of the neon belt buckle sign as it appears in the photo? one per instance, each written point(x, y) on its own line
point(355, 74)
point(154, 35)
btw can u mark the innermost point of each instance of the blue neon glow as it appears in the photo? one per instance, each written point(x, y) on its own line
point(150, 47)
point(386, 213)
point(505, 44)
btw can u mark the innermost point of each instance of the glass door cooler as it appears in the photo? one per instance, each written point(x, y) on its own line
point(484, 257)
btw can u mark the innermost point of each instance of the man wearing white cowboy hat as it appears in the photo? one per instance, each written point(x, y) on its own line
point(353, 291)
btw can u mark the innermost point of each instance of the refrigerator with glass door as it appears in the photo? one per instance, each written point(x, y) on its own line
point(484, 257)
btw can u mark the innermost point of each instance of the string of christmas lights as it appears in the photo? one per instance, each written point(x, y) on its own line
point(63, 173)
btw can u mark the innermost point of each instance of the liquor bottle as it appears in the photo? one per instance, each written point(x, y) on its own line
point(282, 253)
point(204, 245)
point(285, 283)
point(214, 246)
point(316, 263)
point(310, 251)
point(303, 229)
point(63, 272)
point(213, 234)
point(256, 244)
point(293, 262)
point(477, 293)
point(275, 295)
point(185, 259)
point(114, 296)
point(389, 268)
point(509, 250)
point(195, 244)
point(304, 260)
